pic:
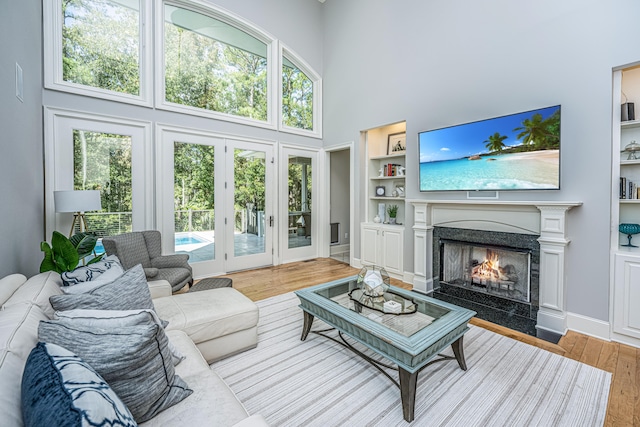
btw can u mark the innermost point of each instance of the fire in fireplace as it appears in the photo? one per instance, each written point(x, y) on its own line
point(498, 271)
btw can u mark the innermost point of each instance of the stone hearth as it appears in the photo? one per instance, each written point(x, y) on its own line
point(546, 221)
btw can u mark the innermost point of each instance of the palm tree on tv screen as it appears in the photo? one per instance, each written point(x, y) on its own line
point(538, 132)
point(494, 143)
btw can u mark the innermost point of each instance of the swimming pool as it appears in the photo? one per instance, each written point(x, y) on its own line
point(180, 240)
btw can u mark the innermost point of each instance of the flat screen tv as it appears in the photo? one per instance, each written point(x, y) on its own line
point(515, 152)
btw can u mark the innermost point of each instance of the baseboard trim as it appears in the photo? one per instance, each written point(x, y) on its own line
point(589, 326)
point(339, 249)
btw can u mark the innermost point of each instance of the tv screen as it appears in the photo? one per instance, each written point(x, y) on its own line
point(515, 152)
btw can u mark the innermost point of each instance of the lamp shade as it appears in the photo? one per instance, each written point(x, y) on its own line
point(77, 201)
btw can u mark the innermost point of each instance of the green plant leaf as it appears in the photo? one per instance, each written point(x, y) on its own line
point(84, 243)
point(65, 254)
point(47, 263)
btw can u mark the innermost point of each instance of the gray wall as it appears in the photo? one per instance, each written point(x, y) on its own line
point(340, 193)
point(443, 62)
point(21, 174)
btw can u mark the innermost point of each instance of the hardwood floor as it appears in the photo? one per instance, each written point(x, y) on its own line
point(621, 360)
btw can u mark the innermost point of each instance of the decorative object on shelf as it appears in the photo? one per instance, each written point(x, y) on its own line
point(377, 219)
point(394, 193)
point(401, 170)
point(374, 281)
point(382, 211)
point(629, 230)
point(631, 148)
point(400, 190)
point(380, 190)
point(627, 111)
point(393, 213)
point(396, 143)
point(381, 172)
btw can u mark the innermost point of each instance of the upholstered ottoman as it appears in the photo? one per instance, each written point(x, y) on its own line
point(221, 322)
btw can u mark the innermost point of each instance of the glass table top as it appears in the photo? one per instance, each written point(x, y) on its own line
point(416, 312)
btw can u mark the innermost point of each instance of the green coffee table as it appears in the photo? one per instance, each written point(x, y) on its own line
point(412, 340)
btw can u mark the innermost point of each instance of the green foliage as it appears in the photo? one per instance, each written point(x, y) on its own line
point(64, 254)
point(297, 99)
point(100, 45)
point(103, 162)
point(539, 134)
point(494, 143)
point(392, 210)
point(204, 73)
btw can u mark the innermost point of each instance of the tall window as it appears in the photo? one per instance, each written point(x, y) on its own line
point(300, 94)
point(101, 44)
point(213, 66)
point(297, 97)
point(102, 162)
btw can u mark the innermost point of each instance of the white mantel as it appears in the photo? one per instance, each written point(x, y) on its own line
point(548, 219)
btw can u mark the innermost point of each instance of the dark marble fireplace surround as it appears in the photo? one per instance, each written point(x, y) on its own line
point(517, 315)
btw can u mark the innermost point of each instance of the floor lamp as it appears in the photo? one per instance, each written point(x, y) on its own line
point(78, 202)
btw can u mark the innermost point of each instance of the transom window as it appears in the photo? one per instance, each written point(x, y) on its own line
point(207, 62)
point(214, 66)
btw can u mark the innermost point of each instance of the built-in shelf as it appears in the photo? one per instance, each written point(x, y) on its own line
point(387, 177)
point(631, 201)
point(629, 162)
point(387, 198)
point(388, 156)
point(630, 124)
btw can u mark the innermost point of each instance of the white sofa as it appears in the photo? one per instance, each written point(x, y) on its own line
point(203, 326)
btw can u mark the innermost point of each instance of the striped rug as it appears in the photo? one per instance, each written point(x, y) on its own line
point(320, 383)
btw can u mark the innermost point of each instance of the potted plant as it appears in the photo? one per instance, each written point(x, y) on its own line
point(392, 210)
point(65, 254)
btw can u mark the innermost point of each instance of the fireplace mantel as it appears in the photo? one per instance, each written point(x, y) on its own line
point(548, 219)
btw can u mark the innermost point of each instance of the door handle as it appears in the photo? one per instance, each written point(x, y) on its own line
point(271, 221)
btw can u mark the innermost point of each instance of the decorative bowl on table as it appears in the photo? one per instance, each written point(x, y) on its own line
point(629, 230)
point(374, 281)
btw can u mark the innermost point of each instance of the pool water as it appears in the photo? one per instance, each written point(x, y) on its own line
point(179, 241)
point(188, 240)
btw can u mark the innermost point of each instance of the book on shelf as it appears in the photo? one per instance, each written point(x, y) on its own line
point(390, 169)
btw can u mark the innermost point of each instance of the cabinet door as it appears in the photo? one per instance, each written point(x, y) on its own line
point(369, 247)
point(392, 250)
point(626, 306)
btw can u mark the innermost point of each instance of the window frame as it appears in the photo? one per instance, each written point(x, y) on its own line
point(231, 19)
point(52, 44)
point(316, 131)
point(59, 167)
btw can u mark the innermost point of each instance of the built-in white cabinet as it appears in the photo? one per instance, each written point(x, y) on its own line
point(384, 166)
point(382, 246)
point(625, 208)
point(626, 316)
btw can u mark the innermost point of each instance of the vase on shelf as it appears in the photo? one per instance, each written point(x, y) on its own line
point(629, 230)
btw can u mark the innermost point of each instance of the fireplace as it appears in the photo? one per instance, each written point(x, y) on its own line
point(494, 273)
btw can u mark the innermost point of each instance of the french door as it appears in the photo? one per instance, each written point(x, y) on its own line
point(298, 205)
point(215, 201)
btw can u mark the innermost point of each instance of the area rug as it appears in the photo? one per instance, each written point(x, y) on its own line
point(318, 382)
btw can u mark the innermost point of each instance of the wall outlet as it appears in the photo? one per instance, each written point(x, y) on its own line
point(19, 83)
point(346, 235)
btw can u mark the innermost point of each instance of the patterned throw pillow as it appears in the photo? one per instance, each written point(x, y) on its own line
point(91, 272)
point(128, 292)
point(134, 360)
point(60, 389)
point(115, 319)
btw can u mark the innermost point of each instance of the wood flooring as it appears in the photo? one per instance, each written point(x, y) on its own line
point(621, 360)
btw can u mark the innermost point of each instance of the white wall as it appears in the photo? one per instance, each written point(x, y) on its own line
point(21, 174)
point(443, 62)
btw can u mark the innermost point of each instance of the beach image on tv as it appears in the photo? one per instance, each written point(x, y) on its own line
point(515, 152)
